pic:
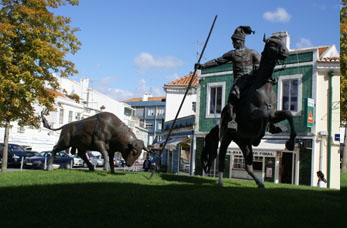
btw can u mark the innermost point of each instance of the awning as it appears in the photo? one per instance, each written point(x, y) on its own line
point(171, 143)
point(264, 146)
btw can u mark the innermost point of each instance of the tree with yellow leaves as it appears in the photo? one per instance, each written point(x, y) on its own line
point(33, 45)
point(343, 84)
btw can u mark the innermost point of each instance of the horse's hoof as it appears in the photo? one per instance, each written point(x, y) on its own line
point(290, 144)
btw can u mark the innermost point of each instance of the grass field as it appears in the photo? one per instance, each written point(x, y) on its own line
point(75, 198)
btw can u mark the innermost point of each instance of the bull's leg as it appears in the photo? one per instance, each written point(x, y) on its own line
point(247, 152)
point(111, 155)
point(102, 149)
point(56, 148)
point(222, 152)
point(286, 115)
point(82, 154)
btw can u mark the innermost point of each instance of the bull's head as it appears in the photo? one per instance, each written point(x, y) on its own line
point(133, 152)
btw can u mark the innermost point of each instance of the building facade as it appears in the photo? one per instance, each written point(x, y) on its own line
point(68, 110)
point(151, 113)
point(309, 87)
point(178, 155)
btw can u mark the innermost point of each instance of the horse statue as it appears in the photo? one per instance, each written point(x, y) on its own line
point(255, 111)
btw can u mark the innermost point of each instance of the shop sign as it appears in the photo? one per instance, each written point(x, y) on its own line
point(309, 112)
point(257, 153)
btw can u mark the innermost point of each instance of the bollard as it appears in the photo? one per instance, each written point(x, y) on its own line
point(45, 165)
point(21, 164)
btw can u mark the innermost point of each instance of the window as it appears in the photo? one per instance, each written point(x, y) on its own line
point(289, 94)
point(78, 116)
point(194, 106)
point(139, 111)
point(239, 162)
point(160, 126)
point(149, 125)
point(150, 112)
point(215, 99)
point(61, 116)
point(70, 116)
point(160, 111)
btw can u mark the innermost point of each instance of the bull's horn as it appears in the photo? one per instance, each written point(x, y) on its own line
point(146, 149)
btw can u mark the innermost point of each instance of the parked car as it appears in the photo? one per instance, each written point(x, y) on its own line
point(99, 160)
point(15, 154)
point(118, 162)
point(92, 159)
point(31, 153)
point(61, 158)
point(77, 161)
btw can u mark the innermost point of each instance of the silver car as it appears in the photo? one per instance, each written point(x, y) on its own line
point(77, 161)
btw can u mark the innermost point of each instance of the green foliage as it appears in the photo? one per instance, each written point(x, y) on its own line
point(76, 198)
point(343, 60)
point(33, 45)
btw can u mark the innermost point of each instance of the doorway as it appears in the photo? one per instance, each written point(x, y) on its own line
point(287, 168)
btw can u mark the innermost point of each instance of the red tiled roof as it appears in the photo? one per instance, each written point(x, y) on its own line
point(183, 81)
point(55, 93)
point(321, 50)
point(140, 99)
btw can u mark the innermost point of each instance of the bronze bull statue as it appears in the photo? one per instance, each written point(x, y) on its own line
point(103, 132)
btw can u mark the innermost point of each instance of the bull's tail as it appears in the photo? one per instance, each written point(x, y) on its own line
point(209, 152)
point(46, 124)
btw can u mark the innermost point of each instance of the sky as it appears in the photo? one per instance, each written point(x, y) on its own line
point(134, 47)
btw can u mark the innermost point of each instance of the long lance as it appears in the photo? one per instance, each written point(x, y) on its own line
point(184, 97)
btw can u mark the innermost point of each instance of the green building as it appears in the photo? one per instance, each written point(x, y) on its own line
point(309, 87)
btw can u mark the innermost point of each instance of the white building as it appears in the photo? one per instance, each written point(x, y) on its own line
point(67, 110)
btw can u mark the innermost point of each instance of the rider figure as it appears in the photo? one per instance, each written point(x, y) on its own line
point(245, 62)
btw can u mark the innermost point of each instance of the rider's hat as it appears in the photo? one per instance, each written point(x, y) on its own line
point(241, 32)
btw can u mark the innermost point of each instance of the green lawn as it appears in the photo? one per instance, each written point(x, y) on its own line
point(75, 198)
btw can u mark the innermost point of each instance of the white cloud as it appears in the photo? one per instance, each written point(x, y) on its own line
point(303, 42)
point(142, 88)
point(146, 61)
point(119, 94)
point(280, 15)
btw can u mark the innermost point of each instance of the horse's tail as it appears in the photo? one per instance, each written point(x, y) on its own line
point(46, 124)
point(209, 152)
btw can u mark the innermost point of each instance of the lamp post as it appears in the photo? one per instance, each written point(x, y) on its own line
point(330, 104)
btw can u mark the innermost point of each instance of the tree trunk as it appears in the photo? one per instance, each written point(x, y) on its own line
point(5, 149)
point(344, 155)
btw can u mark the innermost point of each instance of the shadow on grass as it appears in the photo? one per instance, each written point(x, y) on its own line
point(188, 202)
point(191, 179)
point(183, 205)
point(186, 179)
point(100, 172)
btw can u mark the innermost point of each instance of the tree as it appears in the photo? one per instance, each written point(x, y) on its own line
point(343, 66)
point(33, 45)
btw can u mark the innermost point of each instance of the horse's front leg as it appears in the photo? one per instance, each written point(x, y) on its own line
point(286, 115)
point(222, 152)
